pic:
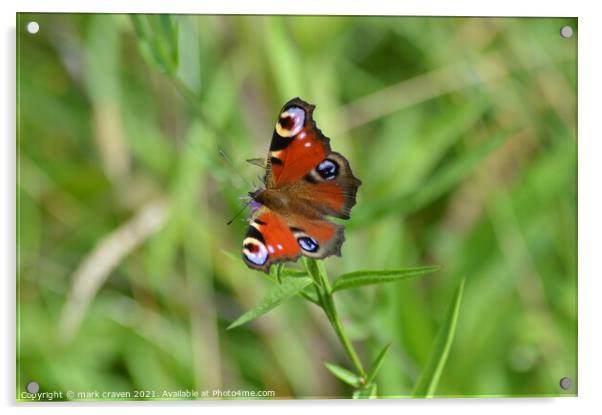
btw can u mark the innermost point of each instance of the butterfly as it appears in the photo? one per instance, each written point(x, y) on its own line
point(304, 183)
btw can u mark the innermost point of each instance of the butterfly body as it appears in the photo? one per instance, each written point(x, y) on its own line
point(305, 183)
point(289, 200)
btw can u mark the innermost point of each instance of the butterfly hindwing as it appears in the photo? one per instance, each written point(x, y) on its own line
point(273, 238)
point(268, 240)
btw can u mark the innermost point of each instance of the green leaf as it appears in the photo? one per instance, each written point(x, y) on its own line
point(276, 272)
point(359, 278)
point(427, 384)
point(309, 293)
point(314, 268)
point(259, 162)
point(278, 293)
point(343, 374)
point(293, 273)
point(369, 392)
point(378, 362)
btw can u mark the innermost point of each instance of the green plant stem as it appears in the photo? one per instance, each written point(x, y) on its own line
point(338, 327)
point(327, 302)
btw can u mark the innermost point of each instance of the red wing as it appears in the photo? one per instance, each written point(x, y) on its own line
point(268, 240)
point(332, 186)
point(297, 152)
point(330, 196)
point(297, 144)
point(271, 238)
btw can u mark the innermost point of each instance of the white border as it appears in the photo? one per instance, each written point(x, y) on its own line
point(372, 7)
point(590, 209)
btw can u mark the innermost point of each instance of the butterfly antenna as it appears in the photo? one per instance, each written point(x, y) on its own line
point(239, 212)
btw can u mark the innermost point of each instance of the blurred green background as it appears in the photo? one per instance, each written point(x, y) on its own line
point(132, 137)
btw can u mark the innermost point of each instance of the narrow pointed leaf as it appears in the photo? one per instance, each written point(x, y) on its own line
point(427, 384)
point(309, 293)
point(259, 162)
point(360, 278)
point(276, 272)
point(378, 362)
point(343, 374)
point(278, 293)
point(293, 273)
point(315, 268)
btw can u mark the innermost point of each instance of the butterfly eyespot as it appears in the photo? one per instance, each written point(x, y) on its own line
point(328, 169)
point(291, 122)
point(255, 252)
point(308, 244)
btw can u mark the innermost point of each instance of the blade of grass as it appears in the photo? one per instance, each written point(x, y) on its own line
point(360, 278)
point(157, 40)
point(432, 188)
point(278, 293)
point(283, 58)
point(231, 255)
point(427, 384)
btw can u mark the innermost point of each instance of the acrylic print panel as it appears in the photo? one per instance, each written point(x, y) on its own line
point(457, 272)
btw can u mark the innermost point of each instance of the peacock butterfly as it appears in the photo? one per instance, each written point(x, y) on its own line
point(304, 183)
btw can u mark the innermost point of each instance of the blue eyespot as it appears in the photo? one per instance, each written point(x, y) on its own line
point(328, 169)
point(308, 244)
